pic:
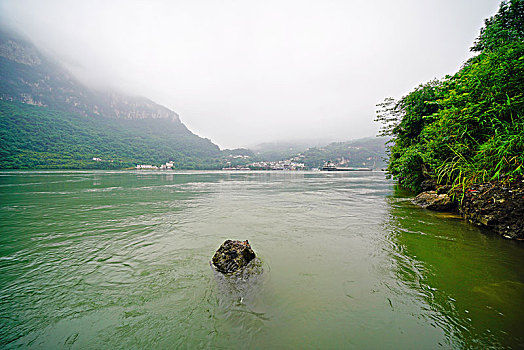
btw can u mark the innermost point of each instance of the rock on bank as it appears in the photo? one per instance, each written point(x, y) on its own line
point(434, 200)
point(497, 206)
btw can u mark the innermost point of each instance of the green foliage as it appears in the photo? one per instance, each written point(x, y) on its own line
point(37, 137)
point(468, 127)
point(506, 26)
point(238, 152)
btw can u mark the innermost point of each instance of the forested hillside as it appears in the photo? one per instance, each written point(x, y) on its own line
point(37, 137)
point(48, 119)
point(469, 127)
point(366, 152)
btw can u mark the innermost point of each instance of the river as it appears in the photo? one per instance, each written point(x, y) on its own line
point(120, 259)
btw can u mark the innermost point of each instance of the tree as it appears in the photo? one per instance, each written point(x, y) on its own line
point(468, 127)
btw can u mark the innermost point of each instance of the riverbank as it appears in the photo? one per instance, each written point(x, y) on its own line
point(466, 130)
point(494, 205)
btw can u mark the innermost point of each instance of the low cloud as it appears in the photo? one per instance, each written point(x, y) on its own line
point(243, 72)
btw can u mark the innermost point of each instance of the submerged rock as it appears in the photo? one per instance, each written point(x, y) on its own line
point(434, 201)
point(237, 291)
point(233, 256)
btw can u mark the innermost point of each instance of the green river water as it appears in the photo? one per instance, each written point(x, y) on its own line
point(104, 260)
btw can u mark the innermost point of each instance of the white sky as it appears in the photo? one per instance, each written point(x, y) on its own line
point(241, 72)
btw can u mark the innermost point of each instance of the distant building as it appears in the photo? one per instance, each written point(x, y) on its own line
point(143, 166)
point(167, 166)
point(280, 165)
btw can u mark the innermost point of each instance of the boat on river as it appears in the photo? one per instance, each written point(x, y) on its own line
point(329, 166)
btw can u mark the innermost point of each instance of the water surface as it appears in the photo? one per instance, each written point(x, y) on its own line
point(100, 259)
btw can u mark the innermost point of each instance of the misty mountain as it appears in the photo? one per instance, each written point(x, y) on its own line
point(45, 113)
point(367, 152)
point(280, 150)
point(32, 78)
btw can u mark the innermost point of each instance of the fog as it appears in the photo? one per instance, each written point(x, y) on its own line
point(241, 72)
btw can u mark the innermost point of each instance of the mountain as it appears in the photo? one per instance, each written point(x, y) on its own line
point(48, 119)
point(280, 150)
point(366, 152)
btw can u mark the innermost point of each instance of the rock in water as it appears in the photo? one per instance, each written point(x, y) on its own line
point(433, 201)
point(233, 256)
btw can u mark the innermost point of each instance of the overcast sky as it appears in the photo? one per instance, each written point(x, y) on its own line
point(242, 72)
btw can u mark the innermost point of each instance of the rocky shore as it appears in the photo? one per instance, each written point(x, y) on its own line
point(497, 206)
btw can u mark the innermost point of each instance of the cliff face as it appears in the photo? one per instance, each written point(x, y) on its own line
point(27, 76)
point(18, 51)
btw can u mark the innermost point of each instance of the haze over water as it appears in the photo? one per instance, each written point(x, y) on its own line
point(99, 259)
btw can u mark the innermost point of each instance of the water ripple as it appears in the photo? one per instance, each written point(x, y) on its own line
point(121, 259)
